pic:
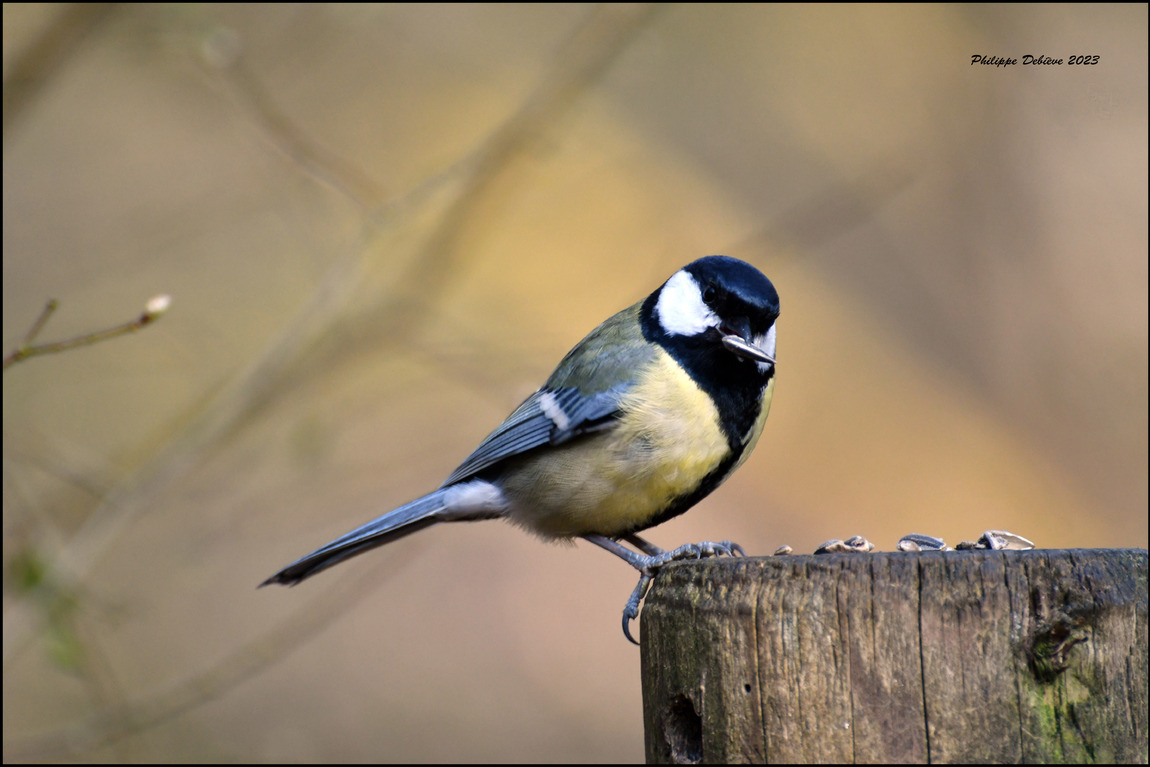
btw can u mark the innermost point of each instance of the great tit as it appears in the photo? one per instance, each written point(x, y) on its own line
point(647, 415)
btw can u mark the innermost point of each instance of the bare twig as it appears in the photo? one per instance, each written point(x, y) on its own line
point(156, 306)
point(39, 323)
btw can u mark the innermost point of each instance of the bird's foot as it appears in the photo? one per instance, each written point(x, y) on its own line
point(631, 609)
point(650, 565)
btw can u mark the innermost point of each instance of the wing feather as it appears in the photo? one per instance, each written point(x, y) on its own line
point(547, 417)
point(581, 397)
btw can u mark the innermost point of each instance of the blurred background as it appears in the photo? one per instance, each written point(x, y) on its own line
point(382, 226)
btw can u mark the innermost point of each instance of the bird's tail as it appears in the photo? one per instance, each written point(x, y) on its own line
point(441, 506)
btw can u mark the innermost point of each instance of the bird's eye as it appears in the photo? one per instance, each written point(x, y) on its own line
point(709, 294)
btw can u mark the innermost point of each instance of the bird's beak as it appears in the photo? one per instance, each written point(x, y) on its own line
point(736, 338)
point(740, 346)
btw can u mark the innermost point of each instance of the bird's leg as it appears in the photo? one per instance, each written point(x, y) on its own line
point(643, 545)
point(652, 560)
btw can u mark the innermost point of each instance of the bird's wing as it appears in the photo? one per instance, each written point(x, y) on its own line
point(581, 397)
point(547, 417)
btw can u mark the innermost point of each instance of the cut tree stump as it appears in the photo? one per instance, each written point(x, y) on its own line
point(965, 656)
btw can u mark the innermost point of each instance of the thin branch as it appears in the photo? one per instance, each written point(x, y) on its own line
point(156, 306)
point(39, 323)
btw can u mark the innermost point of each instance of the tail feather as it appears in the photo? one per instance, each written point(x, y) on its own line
point(401, 522)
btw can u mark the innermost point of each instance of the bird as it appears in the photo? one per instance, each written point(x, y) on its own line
point(641, 420)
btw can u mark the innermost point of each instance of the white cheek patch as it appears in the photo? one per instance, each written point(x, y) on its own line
point(680, 307)
point(766, 342)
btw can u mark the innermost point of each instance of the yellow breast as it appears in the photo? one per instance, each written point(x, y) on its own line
point(666, 440)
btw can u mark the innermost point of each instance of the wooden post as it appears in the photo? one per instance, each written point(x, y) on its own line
point(966, 656)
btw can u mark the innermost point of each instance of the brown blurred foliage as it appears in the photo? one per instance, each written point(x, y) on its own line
point(383, 225)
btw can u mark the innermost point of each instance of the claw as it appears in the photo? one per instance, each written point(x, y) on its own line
point(697, 551)
point(631, 609)
point(652, 564)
